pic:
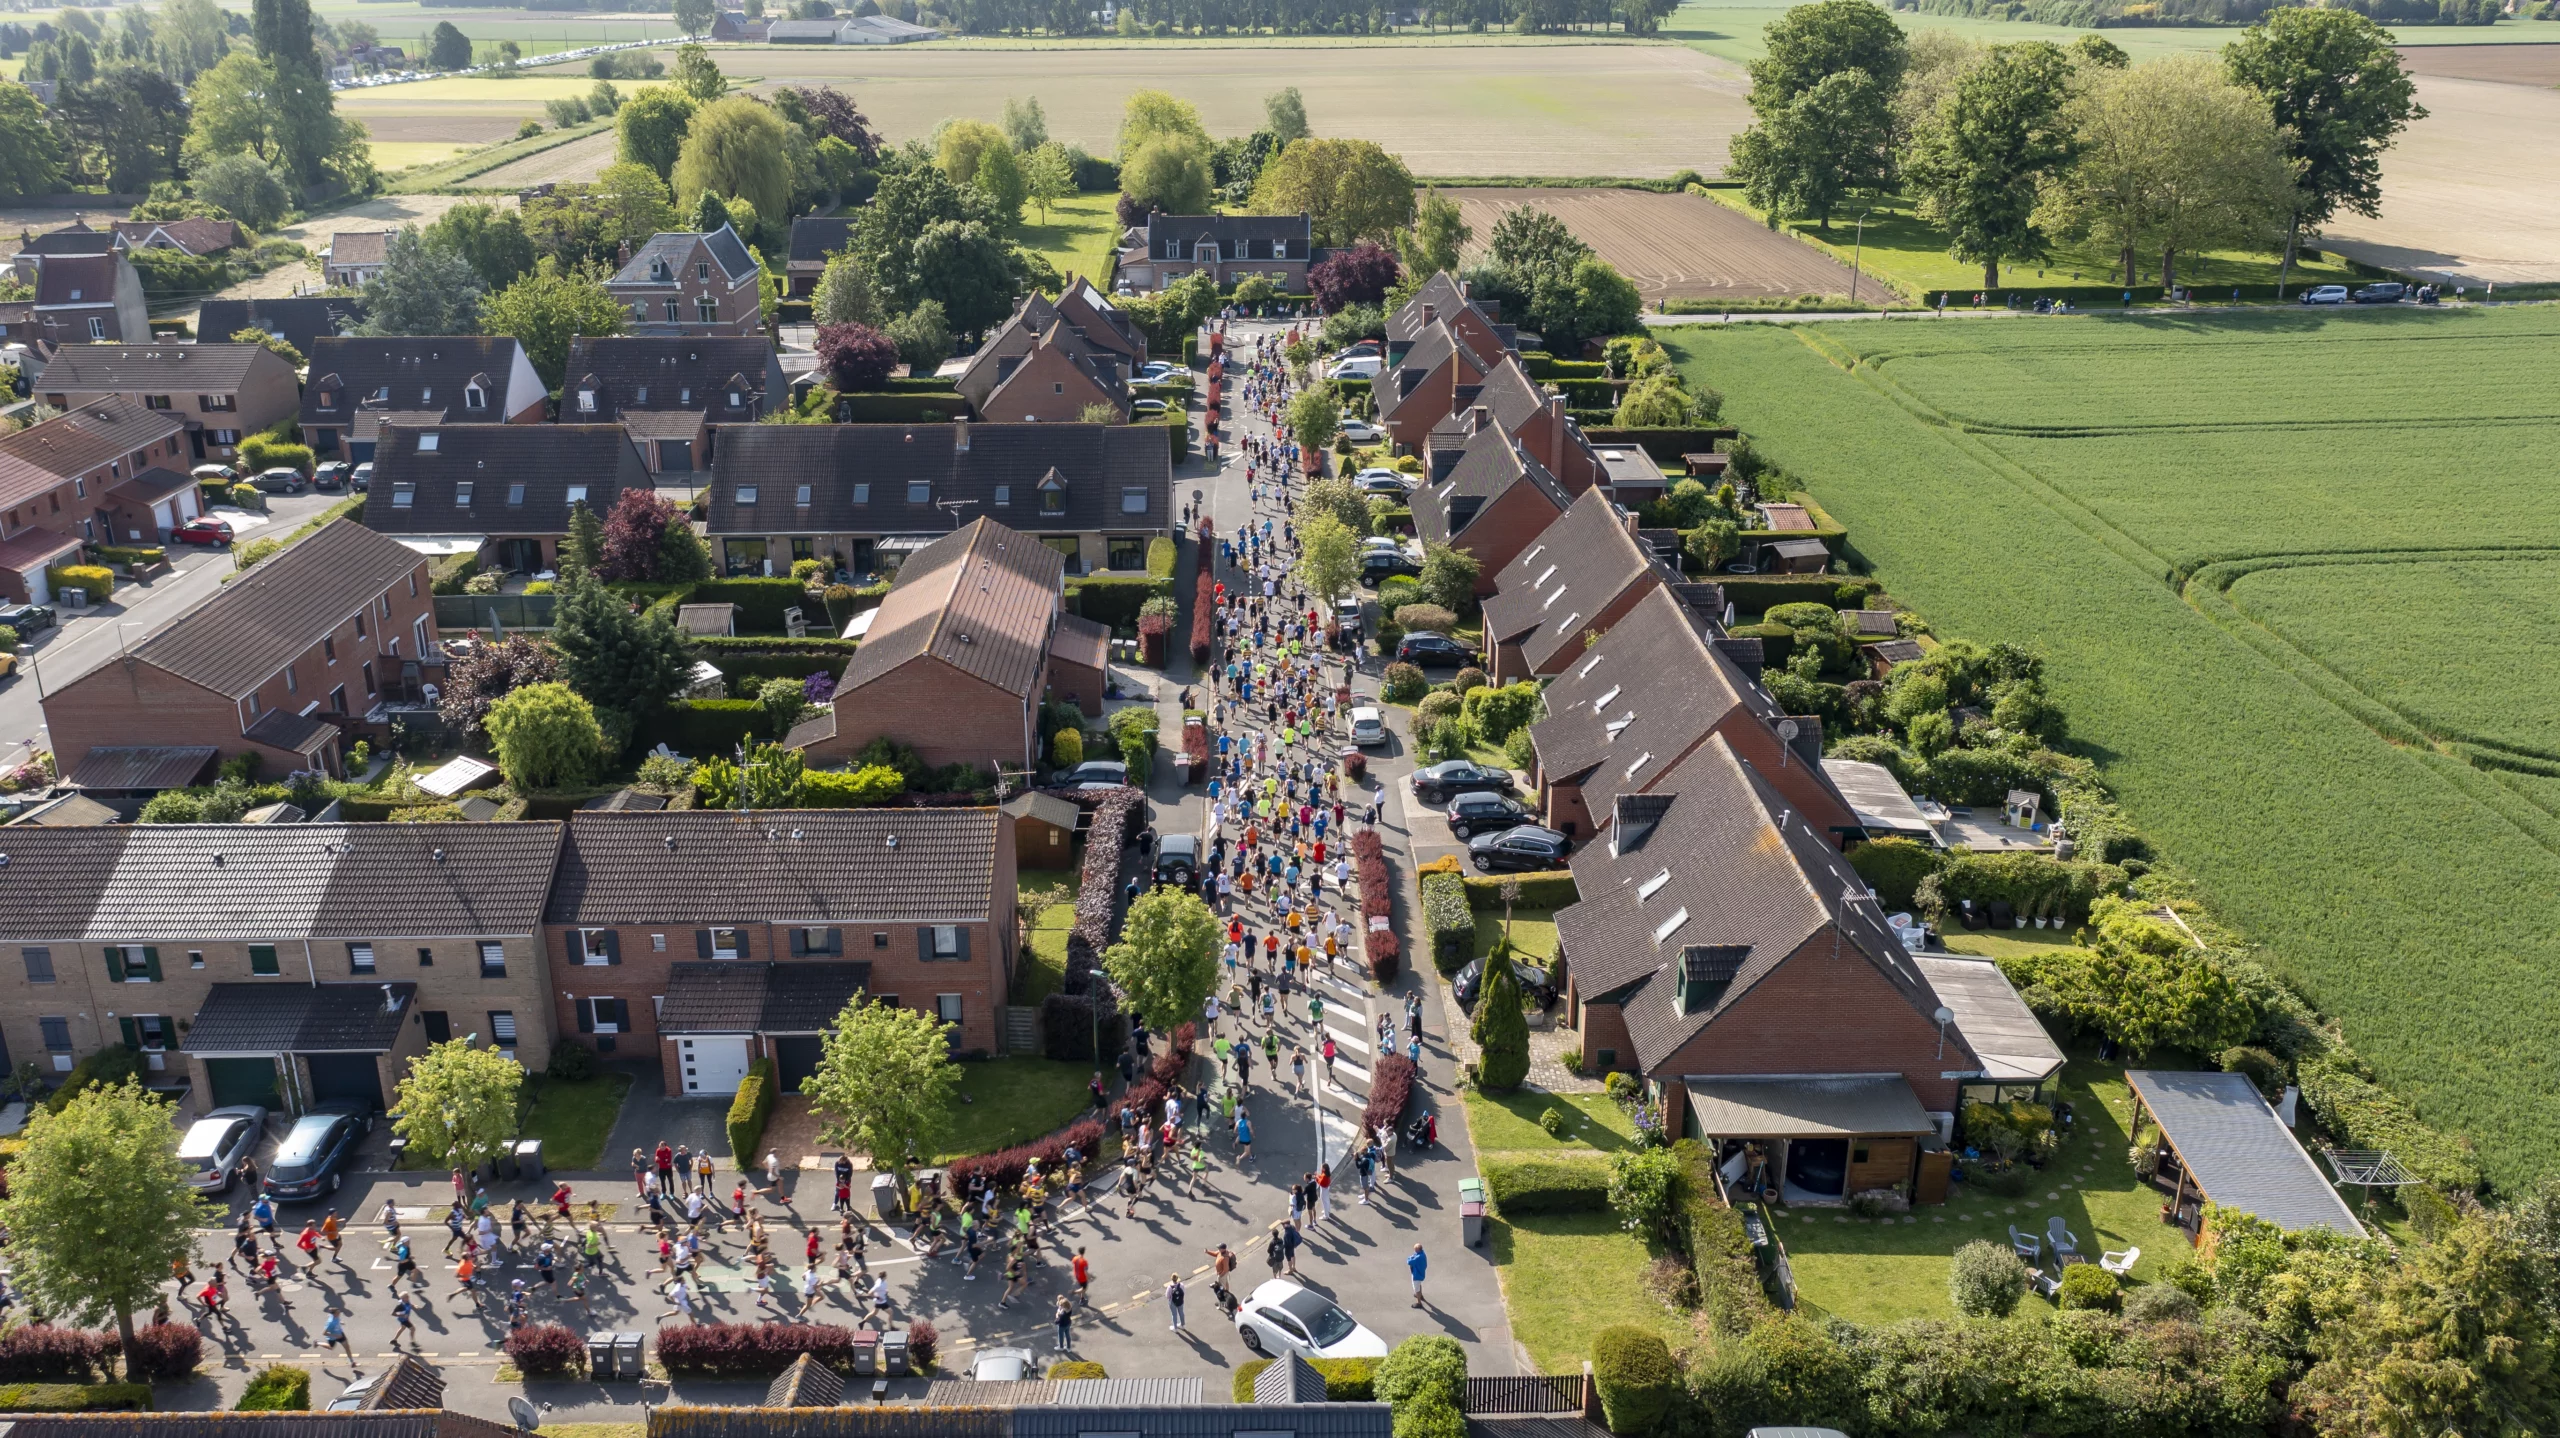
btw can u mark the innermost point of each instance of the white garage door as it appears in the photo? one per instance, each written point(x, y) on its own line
point(712, 1066)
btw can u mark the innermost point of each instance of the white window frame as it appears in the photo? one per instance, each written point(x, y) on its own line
point(592, 952)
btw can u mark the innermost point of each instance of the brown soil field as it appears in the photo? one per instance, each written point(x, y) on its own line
point(2536, 65)
point(2472, 192)
point(578, 160)
point(1672, 246)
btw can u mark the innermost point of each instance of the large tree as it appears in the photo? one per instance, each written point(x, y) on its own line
point(2334, 85)
point(1349, 189)
point(1284, 114)
point(493, 670)
point(698, 75)
point(424, 289)
point(99, 1206)
point(1823, 97)
point(126, 129)
point(1500, 1028)
point(229, 112)
point(30, 153)
point(963, 266)
point(1978, 163)
point(846, 295)
point(959, 144)
point(1172, 173)
point(245, 187)
point(547, 309)
point(448, 48)
point(1436, 238)
point(1166, 962)
point(1328, 557)
point(651, 125)
point(695, 16)
point(1025, 123)
point(617, 659)
point(735, 148)
point(546, 737)
point(634, 531)
point(885, 1084)
point(492, 239)
point(457, 1106)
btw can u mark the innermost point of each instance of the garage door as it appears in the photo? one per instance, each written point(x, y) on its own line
point(712, 1066)
point(797, 1056)
point(242, 1081)
point(350, 1077)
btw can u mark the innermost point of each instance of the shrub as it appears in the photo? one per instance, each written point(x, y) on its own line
point(1894, 868)
point(1004, 1167)
point(1390, 1086)
point(1077, 1368)
point(571, 1062)
point(164, 1351)
point(1635, 1376)
point(1355, 765)
point(1546, 1185)
point(1448, 920)
point(74, 1397)
point(1437, 705)
point(750, 1108)
point(2160, 1303)
point(1554, 1122)
point(277, 1388)
point(1424, 1366)
point(97, 579)
point(1204, 616)
point(923, 1341)
point(1431, 617)
point(2086, 1285)
point(542, 1349)
point(856, 356)
point(2263, 1068)
point(43, 1353)
point(128, 554)
point(1377, 901)
point(1403, 684)
point(1644, 1188)
point(733, 1350)
point(1537, 891)
point(1161, 554)
point(248, 497)
point(1986, 1280)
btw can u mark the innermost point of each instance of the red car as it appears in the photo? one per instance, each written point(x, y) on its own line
point(204, 530)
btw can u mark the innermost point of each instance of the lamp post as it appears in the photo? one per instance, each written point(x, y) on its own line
point(1858, 255)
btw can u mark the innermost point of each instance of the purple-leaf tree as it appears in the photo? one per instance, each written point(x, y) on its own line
point(1360, 275)
point(856, 356)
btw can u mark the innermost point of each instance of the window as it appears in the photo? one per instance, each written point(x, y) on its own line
point(218, 403)
point(674, 315)
point(725, 943)
point(418, 630)
point(1004, 496)
point(97, 327)
point(39, 964)
point(292, 681)
point(586, 401)
point(155, 401)
point(743, 556)
point(577, 494)
point(947, 1008)
point(919, 491)
point(493, 961)
point(360, 632)
point(1608, 1058)
point(195, 958)
point(1058, 388)
point(360, 959)
point(1053, 501)
point(598, 947)
point(369, 690)
point(57, 1038)
point(474, 397)
point(1126, 553)
point(404, 496)
point(502, 1031)
point(803, 494)
point(1133, 499)
point(515, 496)
point(706, 310)
point(1279, 249)
point(328, 649)
point(862, 494)
point(658, 943)
point(944, 942)
point(426, 957)
point(439, 1026)
point(817, 941)
point(746, 494)
point(462, 494)
point(338, 699)
point(684, 396)
point(803, 547)
point(262, 961)
point(736, 400)
point(604, 1016)
point(702, 270)
point(427, 443)
point(879, 938)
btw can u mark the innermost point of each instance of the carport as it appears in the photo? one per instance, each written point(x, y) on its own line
point(1816, 1139)
point(722, 1014)
point(290, 1045)
point(2218, 1142)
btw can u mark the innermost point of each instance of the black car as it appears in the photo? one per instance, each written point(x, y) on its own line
point(1533, 982)
point(361, 479)
point(312, 1160)
point(331, 477)
point(1427, 647)
point(26, 619)
point(1178, 860)
point(1524, 849)
point(1484, 812)
point(2387, 292)
point(1378, 566)
point(1442, 782)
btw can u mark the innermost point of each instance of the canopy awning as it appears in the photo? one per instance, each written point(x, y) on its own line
point(2237, 1152)
point(1881, 804)
point(1995, 1023)
point(442, 545)
point(1836, 1106)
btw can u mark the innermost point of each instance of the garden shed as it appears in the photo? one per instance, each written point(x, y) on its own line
point(2216, 1141)
point(1044, 830)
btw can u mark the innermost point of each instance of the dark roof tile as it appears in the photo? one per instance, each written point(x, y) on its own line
point(554, 464)
point(290, 1018)
point(251, 627)
point(1099, 464)
point(786, 866)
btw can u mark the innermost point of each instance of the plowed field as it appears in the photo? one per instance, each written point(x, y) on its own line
point(1673, 246)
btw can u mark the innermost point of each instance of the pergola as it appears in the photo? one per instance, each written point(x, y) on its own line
point(2232, 1150)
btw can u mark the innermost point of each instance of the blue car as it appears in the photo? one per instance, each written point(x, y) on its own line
point(312, 1159)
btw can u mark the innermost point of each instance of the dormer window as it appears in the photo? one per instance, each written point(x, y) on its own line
point(1279, 249)
point(328, 399)
point(1206, 253)
point(474, 397)
point(586, 401)
point(659, 272)
point(919, 491)
point(1053, 498)
point(404, 496)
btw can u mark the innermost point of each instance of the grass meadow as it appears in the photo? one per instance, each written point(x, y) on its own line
point(2278, 563)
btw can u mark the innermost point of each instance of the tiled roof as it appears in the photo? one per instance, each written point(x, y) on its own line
point(68, 809)
point(358, 247)
point(77, 281)
point(1514, 398)
point(1650, 689)
point(289, 1018)
point(1046, 807)
point(799, 996)
point(807, 1383)
point(1238, 237)
point(1290, 1379)
point(998, 474)
point(76, 238)
point(554, 464)
point(196, 235)
point(411, 1382)
point(1038, 324)
point(983, 600)
point(1208, 1420)
point(698, 866)
point(675, 248)
point(151, 486)
point(815, 237)
point(184, 1423)
point(427, 373)
point(1444, 296)
point(990, 1419)
point(299, 320)
point(1102, 321)
point(1080, 1392)
point(146, 767)
point(250, 628)
point(1548, 596)
point(669, 372)
point(41, 456)
point(302, 734)
point(1487, 469)
point(196, 369)
point(32, 549)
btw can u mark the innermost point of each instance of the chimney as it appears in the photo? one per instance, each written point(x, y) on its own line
point(1808, 740)
point(1479, 419)
point(1555, 442)
point(622, 254)
point(959, 436)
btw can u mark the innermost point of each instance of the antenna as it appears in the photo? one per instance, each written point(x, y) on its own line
point(955, 506)
point(1944, 1016)
point(1788, 729)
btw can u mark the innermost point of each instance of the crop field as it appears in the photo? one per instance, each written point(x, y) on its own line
point(2285, 570)
point(1673, 246)
point(458, 113)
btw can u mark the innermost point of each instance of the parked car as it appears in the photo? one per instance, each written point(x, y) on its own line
point(1146, 406)
point(1004, 1365)
point(1357, 367)
point(332, 476)
point(1092, 774)
point(203, 529)
point(280, 480)
point(1284, 1317)
point(1533, 982)
point(26, 619)
point(1347, 614)
point(1381, 544)
point(1360, 431)
point(362, 480)
point(1377, 568)
point(312, 1159)
point(1387, 485)
point(1484, 813)
point(1401, 479)
point(214, 1146)
point(2325, 295)
point(1368, 727)
point(2385, 292)
point(204, 472)
point(1526, 849)
point(1441, 782)
point(1157, 372)
point(1426, 648)
point(1178, 860)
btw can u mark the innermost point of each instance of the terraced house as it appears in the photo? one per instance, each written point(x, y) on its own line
point(359, 384)
point(222, 392)
point(671, 393)
point(1576, 580)
point(501, 492)
point(91, 476)
point(282, 965)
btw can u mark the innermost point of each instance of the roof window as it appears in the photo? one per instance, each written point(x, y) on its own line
point(1670, 926)
point(746, 494)
point(1605, 700)
point(1652, 886)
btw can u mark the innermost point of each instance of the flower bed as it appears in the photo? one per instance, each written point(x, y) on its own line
point(1377, 901)
point(1004, 1168)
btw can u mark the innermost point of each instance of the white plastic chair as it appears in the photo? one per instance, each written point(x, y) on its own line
point(2121, 1263)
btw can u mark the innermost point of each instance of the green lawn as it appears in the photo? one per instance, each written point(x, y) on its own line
point(574, 1119)
point(1079, 238)
point(1503, 1122)
point(1010, 1101)
point(1566, 1276)
point(1533, 932)
point(1881, 1270)
point(2006, 944)
point(1045, 967)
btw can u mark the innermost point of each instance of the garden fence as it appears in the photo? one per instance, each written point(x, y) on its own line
point(457, 612)
point(1536, 1393)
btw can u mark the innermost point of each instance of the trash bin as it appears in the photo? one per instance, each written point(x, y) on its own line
point(502, 1164)
point(528, 1157)
point(1471, 1190)
point(1471, 1222)
point(886, 1202)
point(866, 1355)
point(600, 1355)
point(893, 1353)
point(630, 1361)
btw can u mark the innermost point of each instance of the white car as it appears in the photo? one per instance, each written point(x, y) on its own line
point(1360, 431)
point(1155, 372)
point(1380, 544)
point(2325, 295)
point(1368, 727)
point(1397, 475)
point(1284, 1317)
point(1357, 367)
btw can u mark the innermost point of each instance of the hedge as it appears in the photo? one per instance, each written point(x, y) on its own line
point(1204, 595)
point(129, 554)
point(715, 645)
point(928, 407)
point(1161, 556)
point(749, 1111)
point(2369, 1117)
point(277, 1388)
point(97, 579)
point(1729, 1291)
point(43, 1352)
point(544, 1349)
point(1546, 1185)
point(1346, 1380)
point(741, 1350)
point(1072, 1019)
point(1894, 868)
point(760, 601)
point(1114, 600)
point(1537, 891)
point(701, 727)
point(1377, 901)
point(1004, 1168)
point(1075, 1368)
point(1760, 593)
point(1633, 1370)
point(1542, 364)
point(863, 788)
point(164, 1351)
point(747, 672)
point(1448, 921)
point(75, 1398)
point(1390, 1087)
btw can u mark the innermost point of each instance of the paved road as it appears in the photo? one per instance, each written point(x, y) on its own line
point(88, 638)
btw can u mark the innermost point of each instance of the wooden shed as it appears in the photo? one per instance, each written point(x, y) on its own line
point(1044, 830)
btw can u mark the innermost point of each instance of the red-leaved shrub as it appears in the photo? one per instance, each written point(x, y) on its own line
point(163, 1351)
point(1385, 952)
point(542, 1349)
point(1004, 1167)
point(1390, 1086)
point(725, 1350)
point(1204, 616)
point(856, 356)
point(1369, 861)
point(1355, 765)
point(922, 1340)
point(42, 1353)
point(1195, 747)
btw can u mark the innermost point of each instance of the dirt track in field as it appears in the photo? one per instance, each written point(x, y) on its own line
point(2537, 65)
point(1672, 246)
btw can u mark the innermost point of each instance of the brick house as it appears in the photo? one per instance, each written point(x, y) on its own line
point(86, 477)
point(353, 258)
point(1437, 373)
point(684, 282)
point(361, 383)
point(1445, 299)
point(1578, 578)
point(283, 964)
point(814, 240)
point(1226, 248)
point(1725, 953)
point(85, 298)
point(223, 392)
point(1492, 499)
point(1530, 416)
point(286, 662)
point(671, 392)
point(502, 491)
point(716, 938)
point(298, 320)
point(1627, 716)
point(1041, 367)
point(864, 495)
point(968, 644)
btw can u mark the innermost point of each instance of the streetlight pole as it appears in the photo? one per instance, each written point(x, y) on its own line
point(1858, 255)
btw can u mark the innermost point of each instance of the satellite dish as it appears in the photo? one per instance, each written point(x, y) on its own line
point(527, 1418)
point(1945, 1015)
point(1788, 729)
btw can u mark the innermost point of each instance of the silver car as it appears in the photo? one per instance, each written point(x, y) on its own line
point(1368, 727)
point(217, 1144)
point(1004, 1365)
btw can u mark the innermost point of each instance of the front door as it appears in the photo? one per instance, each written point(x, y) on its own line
point(712, 1066)
point(796, 1056)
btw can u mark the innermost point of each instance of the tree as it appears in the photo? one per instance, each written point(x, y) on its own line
point(2456, 1338)
point(1001, 176)
point(651, 125)
point(1358, 275)
point(735, 147)
point(1500, 1030)
point(1049, 176)
point(1804, 159)
point(1026, 125)
point(960, 144)
point(923, 337)
point(424, 289)
point(1171, 174)
point(448, 48)
point(885, 1084)
point(845, 295)
point(1335, 496)
point(634, 533)
point(1151, 115)
point(30, 153)
point(2335, 87)
point(910, 198)
point(682, 559)
point(245, 187)
point(1829, 37)
point(693, 17)
point(710, 213)
point(856, 356)
point(230, 111)
point(1437, 235)
point(1594, 300)
point(1328, 557)
point(545, 735)
point(457, 1106)
point(252, 335)
point(698, 75)
point(614, 658)
point(1349, 189)
point(1449, 577)
point(548, 308)
point(99, 1206)
point(834, 114)
point(582, 549)
point(126, 130)
point(193, 36)
point(490, 672)
point(1314, 417)
point(1978, 163)
point(1284, 114)
point(492, 239)
point(967, 269)
point(1166, 962)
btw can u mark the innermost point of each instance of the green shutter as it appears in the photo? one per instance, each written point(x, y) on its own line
point(132, 1035)
point(115, 964)
point(151, 963)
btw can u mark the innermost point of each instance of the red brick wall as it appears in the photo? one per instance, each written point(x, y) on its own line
point(1503, 529)
point(1786, 772)
point(1047, 388)
point(949, 717)
point(1604, 1027)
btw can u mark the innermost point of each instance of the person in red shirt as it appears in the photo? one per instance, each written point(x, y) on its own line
point(816, 1244)
point(1084, 1276)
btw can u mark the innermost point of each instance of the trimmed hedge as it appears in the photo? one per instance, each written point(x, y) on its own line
point(715, 645)
point(1546, 1185)
point(1377, 901)
point(2370, 1117)
point(1448, 921)
point(928, 407)
point(1390, 1087)
point(749, 1111)
point(543, 1349)
point(1004, 1168)
point(1081, 1012)
point(745, 1350)
point(863, 788)
point(1537, 891)
point(129, 554)
point(1636, 1377)
point(1728, 1272)
point(1114, 600)
point(701, 727)
point(164, 1351)
point(1161, 556)
point(760, 601)
point(97, 579)
point(1346, 1380)
point(1760, 593)
point(75, 1398)
point(45, 1353)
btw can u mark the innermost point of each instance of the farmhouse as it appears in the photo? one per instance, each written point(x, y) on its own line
point(1226, 248)
point(196, 236)
point(814, 238)
point(1580, 577)
point(501, 492)
point(687, 283)
point(671, 393)
point(360, 384)
point(353, 258)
